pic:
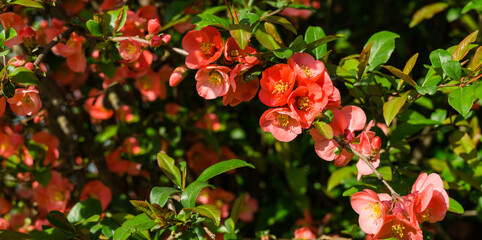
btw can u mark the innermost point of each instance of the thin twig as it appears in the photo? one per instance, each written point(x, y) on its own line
point(177, 50)
point(347, 146)
point(139, 39)
point(211, 234)
point(51, 44)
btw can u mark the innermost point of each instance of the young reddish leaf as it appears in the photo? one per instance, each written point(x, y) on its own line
point(209, 211)
point(397, 72)
point(241, 34)
point(168, 166)
point(221, 167)
point(393, 106)
point(463, 47)
point(281, 21)
point(462, 99)
point(271, 30)
point(410, 63)
point(427, 12)
point(476, 61)
point(364, 57)
point(324, 129)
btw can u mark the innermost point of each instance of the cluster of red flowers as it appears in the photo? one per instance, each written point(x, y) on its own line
point(400, 218)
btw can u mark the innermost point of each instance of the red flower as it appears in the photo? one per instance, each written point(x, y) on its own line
point(204, 47)
point(178, 75)
point(3, 104)
point(306, 67)
point(432, 201)
point(369, 146)
point(240, 90)
point(12, 20)
point(94, 105)
point(212, 81)
point(51, 143)
point(276, 85)
point(304, 233)
point(307, 101)
point(233, 53)
point(96, 189)
point(55, 195)
point(371, 209)
point(282, 123)
point(153, 26)
point(25, 102)
point(130, 50)
point(200, 157)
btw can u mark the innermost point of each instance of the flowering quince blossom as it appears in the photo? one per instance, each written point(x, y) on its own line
point(307, 101)
point(10, 143)
point(52, 144)
point(153, 26)
point(26, 101)
point(3, 104)
point(150, 85)
point(304, 233)
point(240, 90)
point(203, 46)
point(369, 146)
point(276, 83)
point(345, 122)
point(282, 123)
point(55, 195)
point(12, 20)
point(94, 105)
point(130, 50)
point(212, 81)
point(178, 75)
point(400, 218)
point(233, 53)
point(306, 67)
point(200, 157)
point(218, 197)
point(116, 164)
point(96, 189)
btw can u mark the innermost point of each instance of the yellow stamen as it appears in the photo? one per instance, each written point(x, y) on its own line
point(59, 196)
point(131, 49)
point(234, 53)
point(207, 48)
point(397, 231)
point(215, 78)
point(280, 87)
point(306, 70)
point(283, 120)
point(303, 103)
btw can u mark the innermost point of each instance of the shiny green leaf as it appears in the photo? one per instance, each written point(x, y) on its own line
point(168, 167)
point(189, 195)
point(393, 106)
point(312, 34)
point(382, 49)
point(209, 211)
point(427, 12)
point(462, 99)
point(160, 195)
point(222, 167)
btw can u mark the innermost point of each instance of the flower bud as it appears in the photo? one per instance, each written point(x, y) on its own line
point(156, 41)
point(166, 38)
point(29, 66)
point(153, 26)
point(28, 36)
point(177, 75)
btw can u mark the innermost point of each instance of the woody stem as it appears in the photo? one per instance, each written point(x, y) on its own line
point(347, 146)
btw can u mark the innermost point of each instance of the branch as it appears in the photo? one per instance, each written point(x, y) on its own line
point(142, 40)
point(347, 146)
point(51, 44)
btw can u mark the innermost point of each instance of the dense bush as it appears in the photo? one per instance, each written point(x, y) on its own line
point(240, 119)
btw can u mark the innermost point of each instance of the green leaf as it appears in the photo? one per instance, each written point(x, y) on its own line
point(84, 210)
point(114, 20)
point(59, 220)
point(462, 99)
point(281, 21)
point(168, 167)
point(382, 49)
point(393, 106)
point(8, 90)
point(312, 34)
point(189, 195)
point(363, 59)
point(265, 39)
point(12, 235)
point(241, 34)
point(283, 53)
point(315, 44)
point(397, 72)
point(430, 83)
point(455, 206)
point(476, 5)
point(28, 3)
point(338, 176)
point(222, 167)
point(204, 20)
point(463, 47)
point(427, 12)
point(94, 28)
point(324, 129)
point(23, 76)
point(439, 57)
point(106, 134)
point(160, 195)
point(238, 206)
point(140, 222)
point(4, 52)
point(42, 175)
point(453, 69)
point(209, 211)
point(298, 44)
point(297, 180)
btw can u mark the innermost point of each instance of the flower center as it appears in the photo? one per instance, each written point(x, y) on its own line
point(303, 103)
point(306, 70)
point(283, 120)
point(234, 53)
point(426, 214)
point(131, 49)
point(207, 48)
point(215, 78)
point(280, 87)
point(397, 231)
point(26, 99)
point(59, 196)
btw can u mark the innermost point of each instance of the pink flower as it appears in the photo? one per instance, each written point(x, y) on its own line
point(150, 86)
point(12, 20)
point(248, 209)
point(240, 89)
point(345, 122)
point(94, 105)
point(304, 233)
point(96, 189)
point(131, 146)
point(124, 114)
point(55, 195)
point(3, 104)
point(212, 81)
point(307, 101)
point(153, 26)
point(306, 67)
point(371, 209)
point(25, 102)
point(200, 157)
point(209, 122)
point(130, 50)
point(204, 47)
point(4, 224)
point(233, 53)
point(282, 123)
point(178, 75)
point(432, 201)
point(370, 147)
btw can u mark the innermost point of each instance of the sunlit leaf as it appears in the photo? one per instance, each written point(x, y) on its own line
point(393, 106)
point(427, 12)
point(364, 57)
point(222, 167)
point(382, 49)
point(312, 34)
point(168, 167)
point(209, 211)
point(28, 3)
point(463, 47)
point(397, 72)
point(189, 195)
point(462, 99)
point(281, 21)
point(455, 206)
point(204, 20)
point(410, 63)
point(160, 195)
point(241, 34)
